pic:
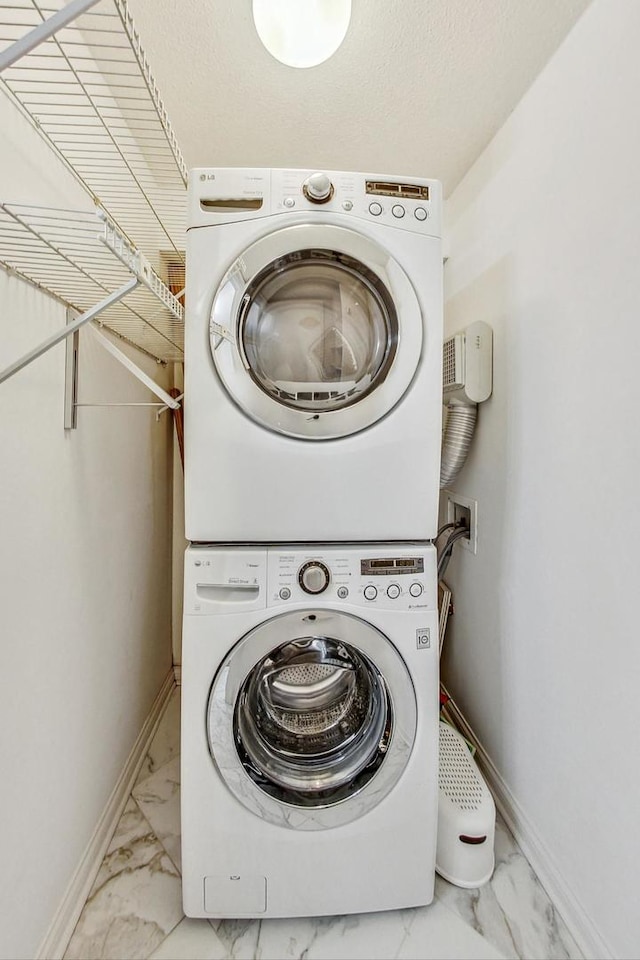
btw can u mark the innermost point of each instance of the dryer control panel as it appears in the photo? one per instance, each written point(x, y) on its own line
point(225, 195)
point(409, 203)
point(399, 578)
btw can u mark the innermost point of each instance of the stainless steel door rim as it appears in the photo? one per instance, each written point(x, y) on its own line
point(377, 343)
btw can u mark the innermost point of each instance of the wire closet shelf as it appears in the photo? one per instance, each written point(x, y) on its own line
point(88, 91)
point(81, 257)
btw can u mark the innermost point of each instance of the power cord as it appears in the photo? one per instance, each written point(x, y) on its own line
point(446, 526)
point(462, 530)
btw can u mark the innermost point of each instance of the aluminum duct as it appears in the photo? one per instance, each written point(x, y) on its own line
point(456, 439)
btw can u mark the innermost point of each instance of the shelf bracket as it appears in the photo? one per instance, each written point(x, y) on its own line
point(122, 358)
point(178, 397)
point(72, 346)
point(69, 329)
point(43, 31)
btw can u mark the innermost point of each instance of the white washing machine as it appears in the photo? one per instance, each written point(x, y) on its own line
point(309, 729)
point(312, 357)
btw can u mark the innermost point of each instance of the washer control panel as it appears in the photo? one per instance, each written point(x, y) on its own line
point(400, 579)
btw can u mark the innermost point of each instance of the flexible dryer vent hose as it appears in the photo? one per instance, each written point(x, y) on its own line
point(456, 440)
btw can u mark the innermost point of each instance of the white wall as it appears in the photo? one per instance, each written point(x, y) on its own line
point(85, 583)
point(543, 654)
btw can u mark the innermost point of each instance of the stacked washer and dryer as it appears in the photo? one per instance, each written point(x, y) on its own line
point(312, 453)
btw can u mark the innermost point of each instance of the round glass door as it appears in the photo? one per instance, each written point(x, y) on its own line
point(316, 332)
point(311, 718)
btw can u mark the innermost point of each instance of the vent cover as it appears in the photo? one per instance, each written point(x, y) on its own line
point(467, 361)
point(457, 774)
point(452, 363)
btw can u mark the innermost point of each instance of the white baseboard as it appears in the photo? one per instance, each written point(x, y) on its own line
point(57, 938)
point(536, 851)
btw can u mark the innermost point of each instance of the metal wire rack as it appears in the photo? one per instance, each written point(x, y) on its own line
point(89, 92)
point(81, 256)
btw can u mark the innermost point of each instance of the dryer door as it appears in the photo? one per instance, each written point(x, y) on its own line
point(316, 331)
point(311, 719)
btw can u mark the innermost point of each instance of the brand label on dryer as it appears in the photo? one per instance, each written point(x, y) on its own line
point(423, 638)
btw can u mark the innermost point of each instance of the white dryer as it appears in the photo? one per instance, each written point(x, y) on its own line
point(312, 356)
point(309, 729)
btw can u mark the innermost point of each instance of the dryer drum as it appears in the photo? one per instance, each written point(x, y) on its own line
point(311, 717)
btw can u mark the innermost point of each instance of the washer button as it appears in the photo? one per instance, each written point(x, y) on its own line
point(343, 592)
point(397, 210)
point(393, 591)
point(347, 205)
point(289, 202)
point(285, 593)
point(375, 209)
point(370, 592)
point(415, 589)
point(420, 213)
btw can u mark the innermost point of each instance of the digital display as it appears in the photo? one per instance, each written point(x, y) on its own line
point(391, 566)
point(409, 191)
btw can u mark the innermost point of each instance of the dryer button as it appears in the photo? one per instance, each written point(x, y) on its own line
point(370, 592)
point(343, 592)
point(347, 205)
point(285, 593)
point(289, 202)
point(393, 591)
point(420, 213)
point(397, 210)
point(375, 209)
point(415, 589)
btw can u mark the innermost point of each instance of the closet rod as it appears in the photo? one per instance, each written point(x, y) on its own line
point(43, 31)
point(133, 368)
point(69, 329)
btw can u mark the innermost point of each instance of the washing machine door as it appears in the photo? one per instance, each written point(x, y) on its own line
point(311, 718)
point(316, 331)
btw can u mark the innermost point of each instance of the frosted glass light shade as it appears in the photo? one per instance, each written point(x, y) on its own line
point(302, 33)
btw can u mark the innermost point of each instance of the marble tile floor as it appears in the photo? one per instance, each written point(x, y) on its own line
point(135, 910)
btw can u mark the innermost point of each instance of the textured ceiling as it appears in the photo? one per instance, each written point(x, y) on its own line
point(418, 87)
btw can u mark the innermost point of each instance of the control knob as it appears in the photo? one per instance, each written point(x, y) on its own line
point(318, 188)
point(314, 577)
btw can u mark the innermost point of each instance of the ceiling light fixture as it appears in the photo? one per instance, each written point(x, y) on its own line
point(302, 33)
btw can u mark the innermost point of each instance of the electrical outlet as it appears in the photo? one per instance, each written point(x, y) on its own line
point(464, 508)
